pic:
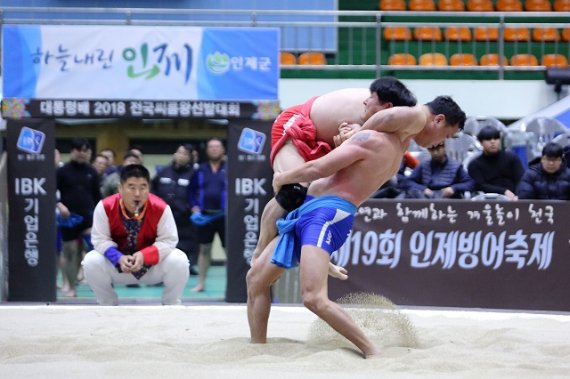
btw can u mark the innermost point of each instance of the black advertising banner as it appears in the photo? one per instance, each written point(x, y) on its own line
point(249, 189)
point(501, 255)
point(31, 222)
point(17, 108)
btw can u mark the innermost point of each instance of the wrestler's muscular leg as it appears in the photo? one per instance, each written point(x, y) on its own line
point(260, 277)
point(314, 291)
point(287, 158)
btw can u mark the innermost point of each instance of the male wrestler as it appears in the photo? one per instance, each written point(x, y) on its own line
point(309, 131)
point(340, 181)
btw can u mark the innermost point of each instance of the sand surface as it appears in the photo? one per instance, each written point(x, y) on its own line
point(199, 341)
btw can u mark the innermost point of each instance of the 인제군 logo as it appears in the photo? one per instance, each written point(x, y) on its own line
point(218, 63)
point(251, 141)
point(31, 140)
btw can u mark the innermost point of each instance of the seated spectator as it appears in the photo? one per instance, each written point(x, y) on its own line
point(134, 237)
point(438, 177)
point(495, 170)
point(549, 179)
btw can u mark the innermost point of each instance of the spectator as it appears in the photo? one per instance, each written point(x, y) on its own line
point(208, 194)
point(195, 159)
point(57, 159)
point(549, 179)
point(566, 150)
point(100, 164)
point(137, 151)
point(495, 170)
point(78, 186)
point(58, 243)
point(172, 184)
point(438, 177)
point(110, 184)
point(110, 154)
point(134, 237)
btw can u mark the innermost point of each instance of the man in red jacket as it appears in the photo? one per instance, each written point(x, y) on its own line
point(134, 235)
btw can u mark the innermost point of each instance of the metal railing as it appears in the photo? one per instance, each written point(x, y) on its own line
point(351, 40)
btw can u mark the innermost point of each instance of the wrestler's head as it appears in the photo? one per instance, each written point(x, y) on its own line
point(392, 91)
point(387, 92)
point(134, 187)
point(446, 119)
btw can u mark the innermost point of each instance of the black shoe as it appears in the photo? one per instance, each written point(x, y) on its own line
point(193, 272)
point(133, 285)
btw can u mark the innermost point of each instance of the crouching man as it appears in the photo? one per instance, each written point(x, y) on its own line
point(134, 235)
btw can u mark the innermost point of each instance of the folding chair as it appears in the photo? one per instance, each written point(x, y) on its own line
point(462, 147)
point(509, 6)
point(524, 60)
point(483, 33)
point(451, 5)
point(392, 5)
point(562, 5)
point(554, 60)
point(480, 6)
point(427, 33)
point(545, 129)
point(492, 59)
point(474, 124)
point(464, 59)
point(537, 5)
point(433, 59)
point(312, 58)
point(516, 34)
point(545, 35)
point(287, 58)
point(402, 59)
point(397, 33)
point(457, 33)
point(422, 5)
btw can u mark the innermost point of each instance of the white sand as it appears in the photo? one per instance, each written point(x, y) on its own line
point(212, 342)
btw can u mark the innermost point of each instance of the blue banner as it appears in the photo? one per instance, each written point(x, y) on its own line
point(140, 63)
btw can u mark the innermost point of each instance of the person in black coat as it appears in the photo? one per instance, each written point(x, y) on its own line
point(495, 170)
point(548, 179)
point(172, 184)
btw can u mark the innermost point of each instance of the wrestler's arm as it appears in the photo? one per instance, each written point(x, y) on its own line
point(397, 119)
point(343, 156)
point(405, 120)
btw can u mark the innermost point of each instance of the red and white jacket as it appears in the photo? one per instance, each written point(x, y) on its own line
point(157, 237)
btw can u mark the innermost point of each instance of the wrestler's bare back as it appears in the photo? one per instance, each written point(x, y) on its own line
point(333, 108)
point(380, 156)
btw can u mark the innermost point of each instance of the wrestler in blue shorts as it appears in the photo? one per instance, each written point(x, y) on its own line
point(324, 222)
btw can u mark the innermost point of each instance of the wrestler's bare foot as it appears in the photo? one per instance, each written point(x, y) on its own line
point(373, 353)
point(372, 356)
point(198, 288)
point(338, 272)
